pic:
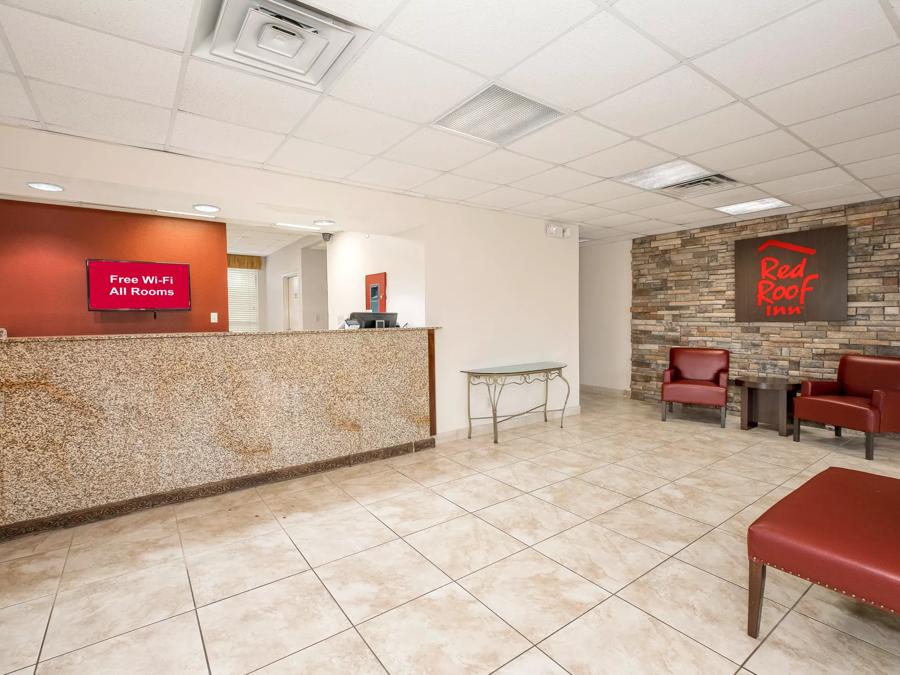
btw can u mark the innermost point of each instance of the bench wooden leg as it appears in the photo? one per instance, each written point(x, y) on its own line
point(722, 414)
point(796, 430)
point(837, 432)
point(870, 445)
point(664, 407)
point(755, 599)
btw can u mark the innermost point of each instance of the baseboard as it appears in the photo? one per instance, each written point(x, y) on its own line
point(593, 389)
point(483, 428)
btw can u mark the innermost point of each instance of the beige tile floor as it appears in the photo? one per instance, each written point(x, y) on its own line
point(614, 546)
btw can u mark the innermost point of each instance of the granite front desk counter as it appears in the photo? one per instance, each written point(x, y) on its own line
point(96, 426)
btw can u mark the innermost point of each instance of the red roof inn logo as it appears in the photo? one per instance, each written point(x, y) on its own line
point(797, 276)
point(783, 282)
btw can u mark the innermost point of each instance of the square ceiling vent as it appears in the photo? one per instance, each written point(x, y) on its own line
point(498, 115)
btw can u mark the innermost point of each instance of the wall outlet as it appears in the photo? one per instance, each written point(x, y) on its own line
point(214, 317)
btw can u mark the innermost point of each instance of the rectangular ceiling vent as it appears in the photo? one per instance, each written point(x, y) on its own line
point(700, 186)
point(282, 38)
point(498, 115)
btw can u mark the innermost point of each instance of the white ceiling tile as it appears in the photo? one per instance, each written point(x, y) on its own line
point(13, 99)
point(600, 192)
point(221, 139)
point(762, 148)
point(885, 183)
point(719, 127)
point(234, 96)
point(669, 98)
point(86, 59)
point(651, 227)
point(874, 168)
point(783, 167)
point(368, 13)
point(567, 139)
point(818, 37)
point(311, 158)
point(502, 166)
point(6, 63)
point(468, 32)
point(548, 206)
point(807, 181)
point(700, 25)
point(846, 86)
point(610, 55)
point(584, 213)
point(347, 126)
point(616, 220)
point(448, 186)
point(736, 195)
point(101, 116)
point(835, 194)
point(557, 179)
point(870, 147)
point(439, 150)
point(643, 200)
point(664, 211)
point(405, 82)
point(865, 120)
point(504, 198)
point(694, 217)
point(162, 23)
point(622, 159)
point(385, 173)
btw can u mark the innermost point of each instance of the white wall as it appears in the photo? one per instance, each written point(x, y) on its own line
point(283, 262)
point(498, 289)
point(352, 255)
point(605, 313)
point(314, 288)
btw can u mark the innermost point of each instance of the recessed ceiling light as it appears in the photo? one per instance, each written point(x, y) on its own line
point(324, 223)
point(206, 208)
point(186, 213)
point(664, 175)
point(296, 226)
point(498, 115)
point(752, 207)
point(46, 187)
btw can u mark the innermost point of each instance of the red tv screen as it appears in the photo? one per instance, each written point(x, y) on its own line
point(126, 285)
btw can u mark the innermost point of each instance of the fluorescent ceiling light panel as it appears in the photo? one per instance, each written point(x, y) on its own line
point(324, 223)
point(186, 213)
point(46, 187)
point(498, 115)
point(752, 207)
point(664, 175)
point(296, 226)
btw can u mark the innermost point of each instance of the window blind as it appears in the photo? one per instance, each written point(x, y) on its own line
point(243, 300)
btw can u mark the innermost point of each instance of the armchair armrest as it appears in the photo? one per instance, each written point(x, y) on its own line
point(810, 388)
point(888, 402)
point(722, 378)
point(669, 375)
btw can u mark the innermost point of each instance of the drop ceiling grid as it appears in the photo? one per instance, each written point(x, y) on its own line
point(383, 32)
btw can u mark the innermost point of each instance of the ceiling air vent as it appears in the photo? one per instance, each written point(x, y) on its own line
point(498, 115)
point(700, 186)
point(282, 38)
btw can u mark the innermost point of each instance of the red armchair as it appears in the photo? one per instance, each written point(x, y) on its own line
point(698, 376)
point(865, 397)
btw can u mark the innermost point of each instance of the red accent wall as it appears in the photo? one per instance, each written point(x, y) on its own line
point(43, 287)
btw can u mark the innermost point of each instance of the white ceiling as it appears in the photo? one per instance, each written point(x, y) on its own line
point(796, 99)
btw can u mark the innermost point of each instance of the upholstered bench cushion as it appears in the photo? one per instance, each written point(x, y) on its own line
point(840, 529)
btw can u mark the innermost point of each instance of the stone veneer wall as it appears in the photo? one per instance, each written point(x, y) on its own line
point(89, 421)
point(683, 295)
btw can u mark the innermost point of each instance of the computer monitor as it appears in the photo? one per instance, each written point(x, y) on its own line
point(374, 319)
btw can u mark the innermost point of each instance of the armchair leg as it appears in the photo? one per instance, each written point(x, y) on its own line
point(755, 598)
point(870, 445)
point(796, 430)
point(665, 407)
point(722, 414)
point(837, 432)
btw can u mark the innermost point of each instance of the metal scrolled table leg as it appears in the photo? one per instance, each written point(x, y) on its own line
point(469, 402)
point(562, 413)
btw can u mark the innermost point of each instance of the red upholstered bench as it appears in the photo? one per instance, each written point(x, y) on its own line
point(841, 530)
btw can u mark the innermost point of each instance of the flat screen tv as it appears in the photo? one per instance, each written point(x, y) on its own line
point(137, 286)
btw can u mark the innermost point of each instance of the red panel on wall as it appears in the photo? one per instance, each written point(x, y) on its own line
point(376, 288)
point(43, 249)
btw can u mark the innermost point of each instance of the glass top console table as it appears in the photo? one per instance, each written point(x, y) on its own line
point(496, 378)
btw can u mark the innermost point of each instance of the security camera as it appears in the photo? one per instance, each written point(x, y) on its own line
point(326, 236)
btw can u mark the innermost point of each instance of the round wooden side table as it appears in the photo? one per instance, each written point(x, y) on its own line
point(768, 400)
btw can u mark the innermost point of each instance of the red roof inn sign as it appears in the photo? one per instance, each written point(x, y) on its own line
point(797, 276)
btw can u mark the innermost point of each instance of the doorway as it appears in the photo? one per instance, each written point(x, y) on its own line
point(293, 312)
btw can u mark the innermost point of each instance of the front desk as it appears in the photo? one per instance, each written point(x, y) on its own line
point(96, 426)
